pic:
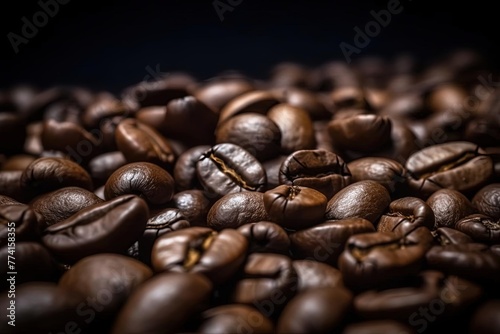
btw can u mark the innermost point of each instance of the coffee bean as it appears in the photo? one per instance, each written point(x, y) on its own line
point(480, 227)
point(102, 166)
point(449, 206)
point(485, 319)
point(405, 215)
point(234, 318)
point(265, 237)
point(449, 236)
point(17, 223)
point(185, 168)
point(217, 93)
point(487, 200)
point(387, 172)
point(313, 275)
point(256, 101)
point(194, 205)
point(378, 326)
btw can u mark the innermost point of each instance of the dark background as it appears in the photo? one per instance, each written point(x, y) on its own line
point(109, 44)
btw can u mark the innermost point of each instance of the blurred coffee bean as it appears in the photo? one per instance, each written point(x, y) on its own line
point(265, 237)
point(102, 108)
point(102, 166)
point(217, 93)
point(12, 133)
point(449, 206)
point(303, 99)
point(17, 162)
point(449, 236)
point(481, 228)
point(10, 185)
point(378, 326)
point(272, 168)
point(235, 318)
point(289, 74)
point(18, 222)
point(313, 275)
point(257, 101)
point(485, 319)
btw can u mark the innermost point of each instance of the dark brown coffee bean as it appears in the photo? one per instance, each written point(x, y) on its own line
point(320, 310)
point(106, 277)
point(289, 74)
point(257, 101)
point(481, 228)
point(304, 99)
point(17, 162)
point(235, 318)
point(325, 242)
point(295, 207)
point(256, 133)
point(272, 168)
point(217, 93)
point(318, 169)
point(12, 133)
point(348, 97)
point(406, 214)
point(455, 165)
point(378, 326)
point(194, 205)
point(139, 142)
point(102, 108)
point(102, 166)
point(188, 292)
point(487, 200)
point(217, 255)
point(265, 237)
point(185, 168)
point(17, 223)
point(47, 174)
point(297, 131)
point(105, 227)
point(485, 319)
point(10, 185)
point(152, 116)
point(228, 168)
point(61, 204)
point(449, 236)
point(389, 173)
point(313, 275)
point(7, 200)
point(449, 206)
point(362, 133)
point(364, 199)
point(235, 210)
point(144, 179)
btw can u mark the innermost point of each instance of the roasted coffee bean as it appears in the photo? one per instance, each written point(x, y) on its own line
point(102, 166)
point(194, 205)
point(485, 319)
point(389, 173)
point(378, 326)
point(472, 261)
point(32, 261)
point(41, 307)
point(47, 174)
point(256, 101)
point(104, 227)
point(217, 93)
point(295, 207)
point(152, 116)
point(61, 204)
point(297, 131)
point(217, 255)
point(179, 296)
point(449, 236)
point(163, 222)
point(268, 282)
point(325, 242)
point(318, 169)
point(289, 74)
point(7, 200)
point(228, 168)
point(17, 162)
point(144, 179)
point(481, 228)
point(364, 199)
point(185, 168)
point(17, 223)
point(256, 133)
point(265, 237)
point(348, 97)
point(102, 108)
point(10, 185)
point(455, 165)
point(12, 133)
point(362, 133)
point(449, 206)
point(313, 275)
point(382, 258)
point(235, 318)
point(323, 140)
point(272, 168)
point(487, 200)
point(179, 116)
point(111, 275)
point(319, 310)
point(140, 142)
point(405, 215)
point(234, 210)
point(304, 99)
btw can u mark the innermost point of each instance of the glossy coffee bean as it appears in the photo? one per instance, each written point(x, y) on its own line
point(194, 205)
point(378, 326)
point(455, 165)
point(107, 278)
point(485, 319)
point(217, 255)
point(102, 108)
point(319, 310)
point(272, 168)
point(47, 174)
point(487, 200)
point(235, 210)
point(18, 222)
point(364, 199)
point(325, 242)
point(406, 214)
point(102, 166)
point(10, 185)
point(362, 133)
point(481, 228)
point(187, 292)
point(449, 236)
point(140, 142)
point(318, 169)
point(449, 206)
point(228, 168)
point(185, 168)
point(304, 99)
point(389, 173)
point(295, 207)
point(268, 282)
point(265, 237)
point(297, 131)
point(60, 204)
point(104, 227)
point(256, 101)
point(255, 133)
point(312, 275)
point(147, 180)
point(152, 116)
point(235, 318)
point(217, 93)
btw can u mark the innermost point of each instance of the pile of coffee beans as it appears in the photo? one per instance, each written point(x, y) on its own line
point(359, 198)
